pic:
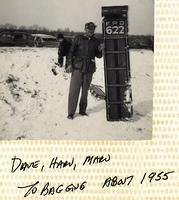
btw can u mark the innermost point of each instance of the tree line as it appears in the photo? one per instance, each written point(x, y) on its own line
point(36, 29)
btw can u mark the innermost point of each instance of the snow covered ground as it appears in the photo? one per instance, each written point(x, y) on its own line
point(33, 102)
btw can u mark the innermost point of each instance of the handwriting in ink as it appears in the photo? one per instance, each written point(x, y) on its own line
point(156, 176)
point(52, 190)
point(32, 189)
point(115, 181)
point(90, 160)
point(55, 163)
point(48, 190)
point(17, 163)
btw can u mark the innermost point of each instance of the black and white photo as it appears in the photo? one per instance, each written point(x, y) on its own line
point(46, 90)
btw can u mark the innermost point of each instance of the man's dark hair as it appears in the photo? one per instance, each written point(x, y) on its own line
point(90, 25)
point(60, 35)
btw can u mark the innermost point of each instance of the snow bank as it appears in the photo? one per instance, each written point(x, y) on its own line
point(33, 102)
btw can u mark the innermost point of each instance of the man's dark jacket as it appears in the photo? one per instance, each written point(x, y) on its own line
point(83, 52)
point(63, 50)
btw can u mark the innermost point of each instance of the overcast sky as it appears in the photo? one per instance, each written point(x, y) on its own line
point(74, 14)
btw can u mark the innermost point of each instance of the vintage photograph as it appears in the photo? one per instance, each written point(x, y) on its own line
point(76, 70)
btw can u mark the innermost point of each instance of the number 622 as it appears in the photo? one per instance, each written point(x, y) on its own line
point(115, 30)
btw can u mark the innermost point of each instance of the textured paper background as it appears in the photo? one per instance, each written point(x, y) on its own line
point(133, 157)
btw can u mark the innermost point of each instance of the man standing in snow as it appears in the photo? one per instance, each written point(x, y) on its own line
point(63, 49)
point(81, 60)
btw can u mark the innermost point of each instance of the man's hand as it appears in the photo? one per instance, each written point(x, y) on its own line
point(69, 69)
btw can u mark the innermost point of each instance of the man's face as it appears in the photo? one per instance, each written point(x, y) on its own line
point(89, 32)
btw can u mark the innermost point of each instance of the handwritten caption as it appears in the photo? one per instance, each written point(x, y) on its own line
point(48, 189)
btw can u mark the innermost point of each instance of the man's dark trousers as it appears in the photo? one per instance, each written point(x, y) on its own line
point(79, 81)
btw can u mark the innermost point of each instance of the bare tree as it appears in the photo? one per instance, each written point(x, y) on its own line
point(22, 27)
point(8, 26)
